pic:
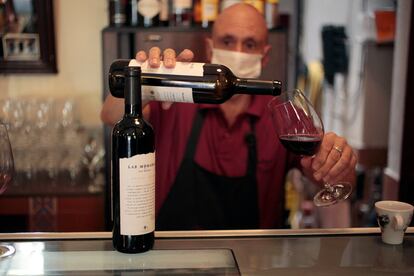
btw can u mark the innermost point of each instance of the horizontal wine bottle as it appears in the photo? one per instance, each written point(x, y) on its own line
point(133, 173)
point(189, 82)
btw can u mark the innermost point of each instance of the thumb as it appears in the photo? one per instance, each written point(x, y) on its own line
point(166, 105)
point(306, 162)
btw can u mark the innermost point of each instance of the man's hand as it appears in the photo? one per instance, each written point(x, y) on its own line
point(168, 57)
point(335, 161)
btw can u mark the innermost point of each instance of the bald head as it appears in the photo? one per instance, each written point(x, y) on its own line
point(241, 17)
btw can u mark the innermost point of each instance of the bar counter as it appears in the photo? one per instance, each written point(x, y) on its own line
point(353, 251)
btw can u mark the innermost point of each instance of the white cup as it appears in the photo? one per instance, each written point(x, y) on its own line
point(393, 217)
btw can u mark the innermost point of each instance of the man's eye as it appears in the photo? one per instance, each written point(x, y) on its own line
point(227, 42)
point(250, 45)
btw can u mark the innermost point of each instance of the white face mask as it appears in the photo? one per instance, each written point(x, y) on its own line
point(243, 65)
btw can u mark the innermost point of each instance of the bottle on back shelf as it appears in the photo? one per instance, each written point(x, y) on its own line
point(272, 13)
point(149, 12)
point(189, 82)
point(132, 13)
point(133, 173)
point(164, 12)
point(205, 12)
point(258, 4)
point(227, 3)
point(182, 13)
point(118, 12)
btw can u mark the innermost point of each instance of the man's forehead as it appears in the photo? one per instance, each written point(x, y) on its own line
point(239, 35)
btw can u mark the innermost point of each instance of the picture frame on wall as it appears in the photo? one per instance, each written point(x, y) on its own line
point(27, 37)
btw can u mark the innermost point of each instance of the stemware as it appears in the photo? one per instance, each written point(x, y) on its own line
point(6, 176)
point(300, 130)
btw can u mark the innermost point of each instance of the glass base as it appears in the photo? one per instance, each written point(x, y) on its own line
point(333, 194)
point(6, 250)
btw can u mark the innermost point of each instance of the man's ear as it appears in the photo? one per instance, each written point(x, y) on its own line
point(266, 55)
point(209, 48)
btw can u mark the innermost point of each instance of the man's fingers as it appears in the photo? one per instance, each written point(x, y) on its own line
point(169, 58)
point(154, 57)
point(340, 166)
point(141, 56)
point(166, 105)
point(185, 56)
point(323, 152)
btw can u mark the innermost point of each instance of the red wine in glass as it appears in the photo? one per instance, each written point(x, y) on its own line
point(300, 131)
point(301, 144)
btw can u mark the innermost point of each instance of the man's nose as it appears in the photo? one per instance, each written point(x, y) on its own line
point(239, 47)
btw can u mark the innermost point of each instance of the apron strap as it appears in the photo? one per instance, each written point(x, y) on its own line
point(194, 134)
point(250, 139)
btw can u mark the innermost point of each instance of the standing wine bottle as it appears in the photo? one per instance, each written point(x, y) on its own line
point(189, 82)
point(133, 173)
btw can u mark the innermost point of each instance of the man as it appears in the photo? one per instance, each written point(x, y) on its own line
point(221, 166)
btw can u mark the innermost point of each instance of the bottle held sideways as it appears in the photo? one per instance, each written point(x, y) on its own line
point(189, 82)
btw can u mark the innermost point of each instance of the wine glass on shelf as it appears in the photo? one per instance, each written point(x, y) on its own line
point(6, 176)
point(300, 130)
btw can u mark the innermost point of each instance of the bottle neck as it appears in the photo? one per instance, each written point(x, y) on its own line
point(258, 87)
point(133, 110)
point(133, 105)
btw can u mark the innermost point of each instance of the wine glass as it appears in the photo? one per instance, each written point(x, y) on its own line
point(6, 176)
point(300, 130)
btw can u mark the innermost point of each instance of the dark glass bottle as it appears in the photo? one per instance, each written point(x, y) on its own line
point(149, 12)
point(190, 82)
point(132, 13)
point(205, 12)
point(182, 13)
point(133, 173)
point(118, 13)
point(164, 12)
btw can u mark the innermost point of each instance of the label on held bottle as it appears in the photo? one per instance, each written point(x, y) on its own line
point(167, 94)
point(137, 194)
point(170, 94)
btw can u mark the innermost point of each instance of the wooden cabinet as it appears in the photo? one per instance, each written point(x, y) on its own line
point(45, 205)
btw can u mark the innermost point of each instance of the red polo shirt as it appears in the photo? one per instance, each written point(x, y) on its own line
point(222, 151)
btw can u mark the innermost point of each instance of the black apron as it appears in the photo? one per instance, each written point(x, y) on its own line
point(200, 199)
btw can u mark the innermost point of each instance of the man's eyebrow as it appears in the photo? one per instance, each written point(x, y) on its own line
point(250, 39)
point(226, 36)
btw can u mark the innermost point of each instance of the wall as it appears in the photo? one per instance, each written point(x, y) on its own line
point(78, 43)
point(358, 107)
point(398, 89)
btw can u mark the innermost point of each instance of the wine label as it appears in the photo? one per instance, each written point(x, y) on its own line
point(137, 194)
point(209, 10)
point(181, 68)
point(258, 4)
point(149, 8)
point(164, 12)
point(182, 4)
point(227, 3)
point(167, 94)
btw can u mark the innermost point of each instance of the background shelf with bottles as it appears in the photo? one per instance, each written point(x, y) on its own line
point(153, 13)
